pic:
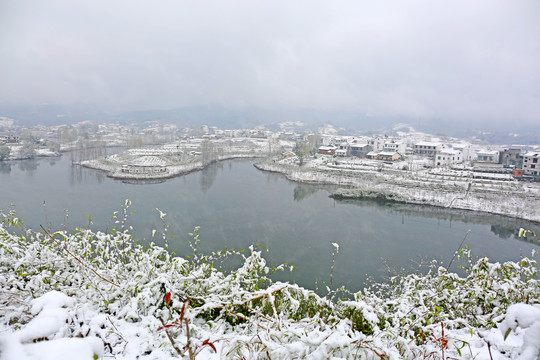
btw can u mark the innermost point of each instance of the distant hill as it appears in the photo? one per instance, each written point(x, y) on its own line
point(53, 114)
point(349, 121)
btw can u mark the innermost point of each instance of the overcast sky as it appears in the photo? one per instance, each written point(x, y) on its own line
point(458, 59)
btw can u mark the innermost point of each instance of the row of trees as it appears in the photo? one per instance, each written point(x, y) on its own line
point(27, 151)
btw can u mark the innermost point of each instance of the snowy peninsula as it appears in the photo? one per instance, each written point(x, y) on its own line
point(175, 159)
point(411, 182)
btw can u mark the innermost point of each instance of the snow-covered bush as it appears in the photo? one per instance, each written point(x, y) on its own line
point(139, 301)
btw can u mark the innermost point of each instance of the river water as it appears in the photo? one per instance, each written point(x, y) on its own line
point(236, 205)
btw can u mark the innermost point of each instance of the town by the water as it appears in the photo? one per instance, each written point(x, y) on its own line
point(401, 164)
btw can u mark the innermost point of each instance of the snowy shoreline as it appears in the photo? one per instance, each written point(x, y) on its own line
point(508, 198)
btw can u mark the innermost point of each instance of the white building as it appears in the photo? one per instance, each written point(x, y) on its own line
point(376, 143)
point(448, 157)
point(427, 148)
point(531, 163)
point(467, 150)
point(487, 156)
point(394, 146)
point(343, 149)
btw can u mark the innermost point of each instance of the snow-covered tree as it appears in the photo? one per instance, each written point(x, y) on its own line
point(4, 152)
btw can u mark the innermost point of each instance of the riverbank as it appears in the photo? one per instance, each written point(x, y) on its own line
point(451, 189)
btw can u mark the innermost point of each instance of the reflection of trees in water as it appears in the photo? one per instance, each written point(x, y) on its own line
point(273, 177)
point(51, 161)
point(503, 232)
point(5, 168)
point(100, 176)
point(79, 174)
point(209, 174)
point(303, 191)
point(28, 165)
point(76, 174)
point(503, 227)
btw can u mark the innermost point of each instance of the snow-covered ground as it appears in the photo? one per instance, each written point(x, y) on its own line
point(411, 182)
point(94, 295)
point(17, 152)
point(176, 158)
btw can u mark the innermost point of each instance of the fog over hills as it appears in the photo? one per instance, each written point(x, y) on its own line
point(233, 118)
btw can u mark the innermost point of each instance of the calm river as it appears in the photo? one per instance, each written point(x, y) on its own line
point(236, 205)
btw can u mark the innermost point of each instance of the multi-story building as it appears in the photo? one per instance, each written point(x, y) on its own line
point(467, 150)
point(427, 148)
point(487, 156)
point(360, 149)
point(343, 149)
point(531, 163)
point(376, 143)
point(394, 146)
point(448, 157)
point(511, 157)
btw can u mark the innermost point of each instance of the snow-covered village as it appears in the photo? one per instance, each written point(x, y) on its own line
point(271, 180)
point(404, 165)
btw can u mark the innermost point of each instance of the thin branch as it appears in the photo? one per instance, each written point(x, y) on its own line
point(172, 340)
point(459, 247)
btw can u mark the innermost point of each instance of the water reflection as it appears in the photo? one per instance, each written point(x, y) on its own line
point(303, 191)
point(29, 166)
point(209, 174)
point(5, 168)
point(76, 174)
point(52, 161)
point(503, 227)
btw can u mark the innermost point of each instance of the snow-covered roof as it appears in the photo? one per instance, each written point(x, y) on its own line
point(532, 154)
point(450, 151)
point(427, 143)
point(487, 152)
point(388, 153)
point(460, 146)
point(149, 161)
point(359, 145)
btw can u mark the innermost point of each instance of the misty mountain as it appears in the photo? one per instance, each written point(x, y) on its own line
point(350, 121)
point(54, 114)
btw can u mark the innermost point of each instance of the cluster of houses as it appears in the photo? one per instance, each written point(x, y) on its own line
point(9, 139)
point(442, 154)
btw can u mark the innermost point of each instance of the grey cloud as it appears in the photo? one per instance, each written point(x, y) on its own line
point(451, 59)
